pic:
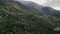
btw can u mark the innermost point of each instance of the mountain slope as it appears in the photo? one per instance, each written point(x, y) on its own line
point(31, 4)
point(16, 18)
point(44, 9)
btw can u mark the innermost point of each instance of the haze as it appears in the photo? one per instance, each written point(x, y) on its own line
point(52, 3)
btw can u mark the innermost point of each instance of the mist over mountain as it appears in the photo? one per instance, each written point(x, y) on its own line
point(31, 4)
point(45, 9)
point(52, 3)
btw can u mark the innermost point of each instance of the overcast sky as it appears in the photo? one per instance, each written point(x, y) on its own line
point(52, 3)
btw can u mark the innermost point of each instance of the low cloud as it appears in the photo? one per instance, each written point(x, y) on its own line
point(52, 3)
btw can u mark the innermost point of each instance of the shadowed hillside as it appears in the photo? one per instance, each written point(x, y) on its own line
point(15, 18)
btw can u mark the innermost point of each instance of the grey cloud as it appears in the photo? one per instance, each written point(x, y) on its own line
point(53, 3)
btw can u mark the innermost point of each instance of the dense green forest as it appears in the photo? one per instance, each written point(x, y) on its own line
point(16, 18)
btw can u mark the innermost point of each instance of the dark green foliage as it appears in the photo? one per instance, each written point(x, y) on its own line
point(18, 19)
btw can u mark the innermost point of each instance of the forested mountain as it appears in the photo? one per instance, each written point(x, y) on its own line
point(16, 18)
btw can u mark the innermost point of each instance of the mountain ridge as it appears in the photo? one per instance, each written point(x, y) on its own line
point(38, 7)
point(15, 18)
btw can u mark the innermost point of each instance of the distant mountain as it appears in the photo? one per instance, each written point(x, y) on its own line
point(44, 9)
point(31, 4)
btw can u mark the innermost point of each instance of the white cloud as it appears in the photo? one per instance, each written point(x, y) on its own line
point(41, 2)
point(54, 3)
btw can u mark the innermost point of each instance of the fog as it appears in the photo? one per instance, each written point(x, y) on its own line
point(52, 3)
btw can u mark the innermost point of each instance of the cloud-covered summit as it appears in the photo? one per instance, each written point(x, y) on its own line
point(52, 3)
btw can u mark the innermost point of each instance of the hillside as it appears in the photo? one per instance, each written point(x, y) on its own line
point(15, 18)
